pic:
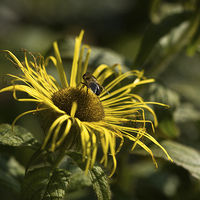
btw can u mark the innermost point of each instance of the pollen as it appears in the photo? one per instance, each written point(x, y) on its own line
point(89, 107)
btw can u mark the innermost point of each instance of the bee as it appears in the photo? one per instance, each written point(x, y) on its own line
point(92, 83)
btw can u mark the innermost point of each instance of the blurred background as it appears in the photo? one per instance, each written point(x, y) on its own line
point(161, 37)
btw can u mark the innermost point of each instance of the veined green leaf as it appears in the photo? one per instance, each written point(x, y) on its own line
point(43, 184)
point(97, 177)
point(182, 155)
point(100, 183)
point(20, 137)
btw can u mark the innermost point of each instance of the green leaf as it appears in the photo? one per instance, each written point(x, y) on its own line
point(182, 155)
point(43, 184)
point(98, 55)
point(11, 174)
point(20, 137)
point(194, 44)
point(38, 153)
point(187, 112)
point(159, 93)
point(97, 177)
point(100, 183)
point(78, 178)
point(155, 5)
point(154, 34)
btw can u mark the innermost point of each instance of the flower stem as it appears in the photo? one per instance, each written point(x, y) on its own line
point(58, 160)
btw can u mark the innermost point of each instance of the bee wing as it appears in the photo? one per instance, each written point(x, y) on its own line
point(95, 88)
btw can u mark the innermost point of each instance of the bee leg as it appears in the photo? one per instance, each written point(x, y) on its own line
point(106, 90)
point(82, 84)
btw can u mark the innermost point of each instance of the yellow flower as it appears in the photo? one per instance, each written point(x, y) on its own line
point(74, 116)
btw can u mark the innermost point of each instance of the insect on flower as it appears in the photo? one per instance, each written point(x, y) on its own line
point(92, 83)
point(84, 124)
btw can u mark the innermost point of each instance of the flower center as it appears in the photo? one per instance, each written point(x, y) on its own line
point(89, 107)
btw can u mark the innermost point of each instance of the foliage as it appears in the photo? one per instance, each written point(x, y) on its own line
point(163, 39)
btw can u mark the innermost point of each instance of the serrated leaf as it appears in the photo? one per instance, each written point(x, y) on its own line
point(20, 138)
point(100, 183)
point(43, 184)
point(97, 177)
point(11, 174)
point(155, 32)
point(182, 155)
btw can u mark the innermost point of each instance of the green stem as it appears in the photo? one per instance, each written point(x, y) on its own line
point(62, 154)
point(58, 160)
